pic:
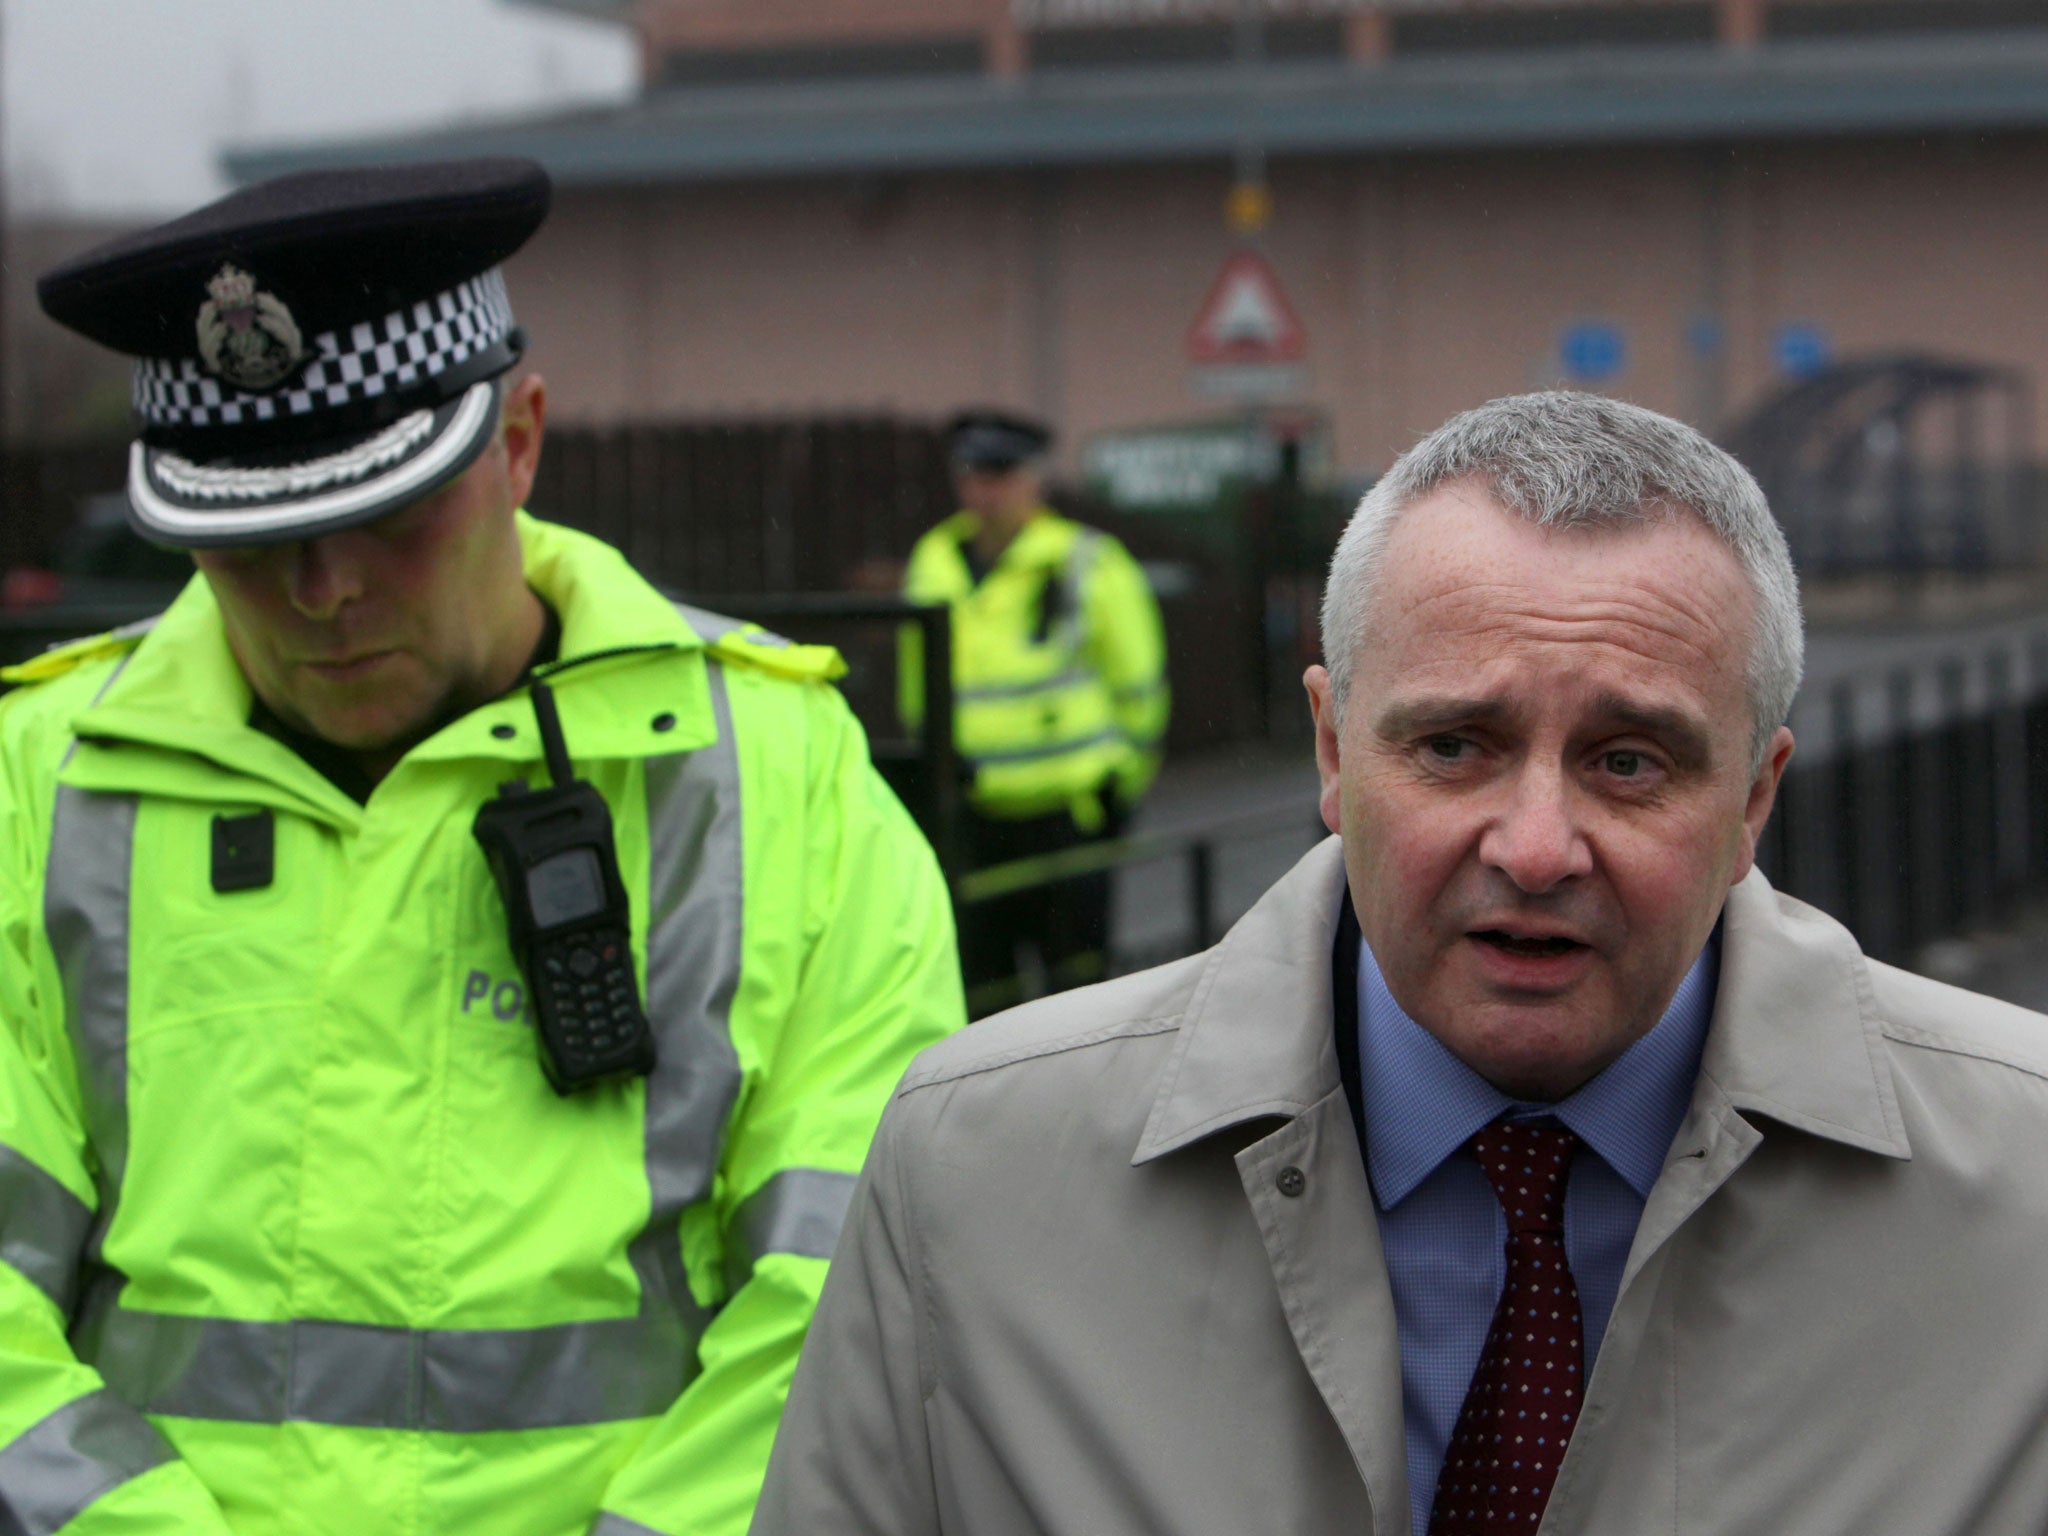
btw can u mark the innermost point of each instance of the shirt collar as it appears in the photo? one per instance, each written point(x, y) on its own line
point(1421, 1103)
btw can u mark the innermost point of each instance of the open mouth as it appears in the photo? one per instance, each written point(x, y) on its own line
point(1540, 948)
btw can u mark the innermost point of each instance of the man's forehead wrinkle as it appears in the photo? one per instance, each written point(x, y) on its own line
point(1526, 616)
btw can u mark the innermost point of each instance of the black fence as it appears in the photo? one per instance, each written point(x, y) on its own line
point(1922, 811)
point(727, 508)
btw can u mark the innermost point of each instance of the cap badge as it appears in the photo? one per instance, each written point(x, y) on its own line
point(245, 336)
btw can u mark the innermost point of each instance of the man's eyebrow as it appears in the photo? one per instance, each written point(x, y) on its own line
point(1408, 718)
point(1685, 734)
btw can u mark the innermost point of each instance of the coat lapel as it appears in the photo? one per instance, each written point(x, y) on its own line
point(1256, 1044)
point(1795, 1039)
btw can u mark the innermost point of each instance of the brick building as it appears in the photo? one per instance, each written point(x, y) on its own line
point(900, 205)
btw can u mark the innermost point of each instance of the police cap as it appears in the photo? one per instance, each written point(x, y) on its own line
point(313, 351)
point(994, 441)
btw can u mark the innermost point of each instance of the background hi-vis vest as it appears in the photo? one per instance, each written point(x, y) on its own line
point(1059, 666)
point(294, 1237)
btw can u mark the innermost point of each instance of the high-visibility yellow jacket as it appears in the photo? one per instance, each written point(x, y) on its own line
point(1059, 666)
point(294, 1236)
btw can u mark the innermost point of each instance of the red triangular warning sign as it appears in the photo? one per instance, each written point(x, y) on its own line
point(1246, 318)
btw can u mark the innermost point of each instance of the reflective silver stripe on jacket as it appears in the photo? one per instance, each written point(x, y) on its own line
point(43, 1228)
point(694, 894)
point(1068, 677)
point(619, 1525)
point(1074, 575)
point(799, 1211)
point(1050, 749)
point(54, 1470)
point(369, 1377)
point(85, 915)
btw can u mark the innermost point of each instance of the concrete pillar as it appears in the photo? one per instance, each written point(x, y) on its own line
point(1739, 23)
point(1368, 37)
point(1006, 50)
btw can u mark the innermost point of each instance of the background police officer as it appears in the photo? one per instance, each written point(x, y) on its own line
point(296, 1234)
point(1060, 696)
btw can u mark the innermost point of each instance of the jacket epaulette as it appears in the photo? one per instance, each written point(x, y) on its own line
point(69, 655)
point(750, 645)
point(769, 652)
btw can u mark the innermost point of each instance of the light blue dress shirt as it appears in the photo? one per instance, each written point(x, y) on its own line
point(1440, 1224)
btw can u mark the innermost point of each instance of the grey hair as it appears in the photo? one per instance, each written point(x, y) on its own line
point(1563, 459)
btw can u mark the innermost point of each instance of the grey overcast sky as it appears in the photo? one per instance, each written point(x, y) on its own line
point(121, 107)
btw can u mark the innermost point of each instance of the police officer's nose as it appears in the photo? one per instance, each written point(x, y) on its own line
point(325, 575)
point(1533, 837)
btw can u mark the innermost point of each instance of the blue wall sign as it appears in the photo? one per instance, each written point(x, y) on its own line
point(1800, 349)
point(1592, 350)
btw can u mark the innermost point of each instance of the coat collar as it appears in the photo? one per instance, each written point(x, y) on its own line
point(1043, 541)
point(1795, 1033)
point(1256, 1040)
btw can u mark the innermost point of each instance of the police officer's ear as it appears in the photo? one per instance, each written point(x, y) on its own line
point(524, 420)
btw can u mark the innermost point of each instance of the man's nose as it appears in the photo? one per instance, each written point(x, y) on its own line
point(326, 575)
point(1535, 839)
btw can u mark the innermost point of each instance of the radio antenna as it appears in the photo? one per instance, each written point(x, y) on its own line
point(551, 741)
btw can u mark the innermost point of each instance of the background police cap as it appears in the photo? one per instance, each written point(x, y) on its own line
point(313, 351)
point(994, 440)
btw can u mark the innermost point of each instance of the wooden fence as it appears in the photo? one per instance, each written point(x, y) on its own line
point(743, 507)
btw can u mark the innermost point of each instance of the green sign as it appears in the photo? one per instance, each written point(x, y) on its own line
point(1176, 468)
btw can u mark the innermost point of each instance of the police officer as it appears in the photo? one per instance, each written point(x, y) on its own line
point(325, 1206)
point(1060, 697)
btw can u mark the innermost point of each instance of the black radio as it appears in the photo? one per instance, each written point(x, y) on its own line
point(557, 869)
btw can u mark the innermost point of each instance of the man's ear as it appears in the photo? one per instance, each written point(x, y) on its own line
point(524, 417)
point(1763, 794)
point(1322, 704)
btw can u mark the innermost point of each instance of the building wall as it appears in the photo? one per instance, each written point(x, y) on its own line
point(1425, 284)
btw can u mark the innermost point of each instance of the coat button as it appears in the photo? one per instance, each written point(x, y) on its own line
point(664, 721)
point(504, 732)
point(1291, 1181)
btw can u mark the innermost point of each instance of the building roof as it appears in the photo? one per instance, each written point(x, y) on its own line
point(1696, 93)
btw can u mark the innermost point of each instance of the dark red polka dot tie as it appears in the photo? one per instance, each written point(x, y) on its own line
point(1523, 1403)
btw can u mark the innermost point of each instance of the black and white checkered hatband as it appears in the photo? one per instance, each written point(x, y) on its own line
point(374, 358)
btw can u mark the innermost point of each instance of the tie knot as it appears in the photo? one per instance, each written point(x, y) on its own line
point(1527, 1166)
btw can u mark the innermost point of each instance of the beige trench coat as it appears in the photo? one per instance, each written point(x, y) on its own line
point(1074, 1297)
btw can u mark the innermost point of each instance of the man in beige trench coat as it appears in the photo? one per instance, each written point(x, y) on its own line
point(1157, 1257)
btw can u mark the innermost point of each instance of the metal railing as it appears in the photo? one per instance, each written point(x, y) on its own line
point(1922, 810)
point(1196, 847)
